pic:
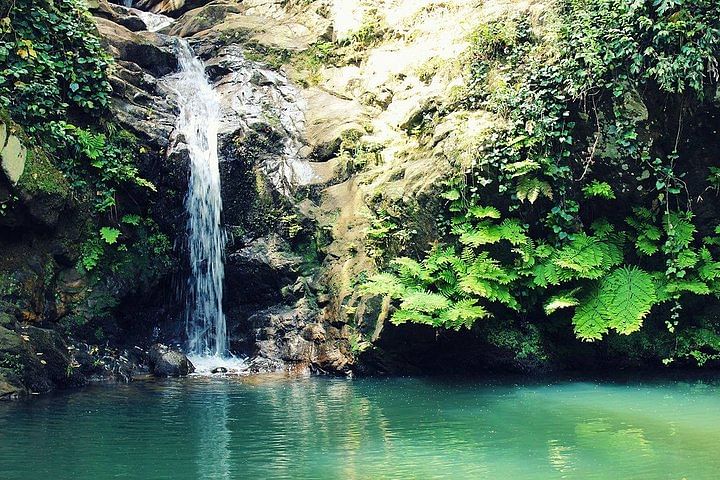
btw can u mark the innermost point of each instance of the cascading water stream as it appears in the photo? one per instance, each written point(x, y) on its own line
point(197, 128)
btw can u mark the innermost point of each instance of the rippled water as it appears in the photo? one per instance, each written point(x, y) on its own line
point(362, 429)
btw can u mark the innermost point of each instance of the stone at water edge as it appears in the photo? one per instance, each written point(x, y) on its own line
point(165, 362)
point(219, 370)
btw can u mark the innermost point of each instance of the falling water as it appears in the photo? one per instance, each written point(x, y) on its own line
point(197, 126)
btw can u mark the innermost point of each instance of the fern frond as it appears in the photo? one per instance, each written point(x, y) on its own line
point(521, 168)
point(484, 233)
point(583, 255)
point(409, 270)
point(484, 212)
point(621, 302)
point(512, 231)
point(599, 189)
point(628, 294)
point(562, 300)
point(383, 284)
point(531, 189)
point(404, 316)
point(589, 322)
point(693, 286)
point(424, 302)
point(463, 314)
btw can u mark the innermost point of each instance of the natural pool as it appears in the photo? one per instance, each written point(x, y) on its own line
point(216, 428)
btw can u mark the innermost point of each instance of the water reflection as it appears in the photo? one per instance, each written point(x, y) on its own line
point(402, 428)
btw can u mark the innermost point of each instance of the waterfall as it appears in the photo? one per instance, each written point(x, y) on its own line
point(197, 127)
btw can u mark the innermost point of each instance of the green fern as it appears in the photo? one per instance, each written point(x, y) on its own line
point(620, 302)
point(518, 169)
point(463, 314)
point(424, 302)
point(562, 300)
point(531, 189)
point(599, 189)
point(484, 212)
point(109, 235)
point(384, 284)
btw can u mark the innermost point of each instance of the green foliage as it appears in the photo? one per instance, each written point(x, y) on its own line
point(599, 189)
point(620, 301)
point(53, 64)
point(109, 235)
point(54, 83)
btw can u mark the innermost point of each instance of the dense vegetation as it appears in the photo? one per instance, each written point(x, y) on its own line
point(54, 87)
point(584, 202)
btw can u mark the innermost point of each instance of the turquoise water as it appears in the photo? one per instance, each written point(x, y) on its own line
point(366, 429)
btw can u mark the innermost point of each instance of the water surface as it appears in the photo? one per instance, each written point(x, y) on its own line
point(202, 428)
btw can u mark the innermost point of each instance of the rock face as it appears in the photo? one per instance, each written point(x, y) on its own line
point(165, 362)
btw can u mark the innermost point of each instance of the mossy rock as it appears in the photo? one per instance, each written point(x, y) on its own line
point(10, 341)
point(41, 176)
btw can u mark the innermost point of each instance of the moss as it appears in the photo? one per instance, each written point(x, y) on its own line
point(41, 176)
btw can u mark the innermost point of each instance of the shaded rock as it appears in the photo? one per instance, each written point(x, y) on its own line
point(50, 363)
point(165, 362)
point(259, 270)
point(10, 391)
point(291, 336)
point(7, 320)
point(151, 51)
point(219, 370)
point(118, 14)
point(173, 8)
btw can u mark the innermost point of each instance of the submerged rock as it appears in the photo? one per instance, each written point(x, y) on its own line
point(165, 362)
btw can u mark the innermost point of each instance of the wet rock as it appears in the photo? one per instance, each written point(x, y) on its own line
point(118, 14)
point(165, 362)
point(258, 271)
point(50, 364)
point(219, 370)
point(291, 336)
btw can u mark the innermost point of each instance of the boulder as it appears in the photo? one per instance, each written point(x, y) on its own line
point(151, 51)
point(10, 388)
point(327, 118)
point(13, 157)
point(173, 8)
point(165, 362)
